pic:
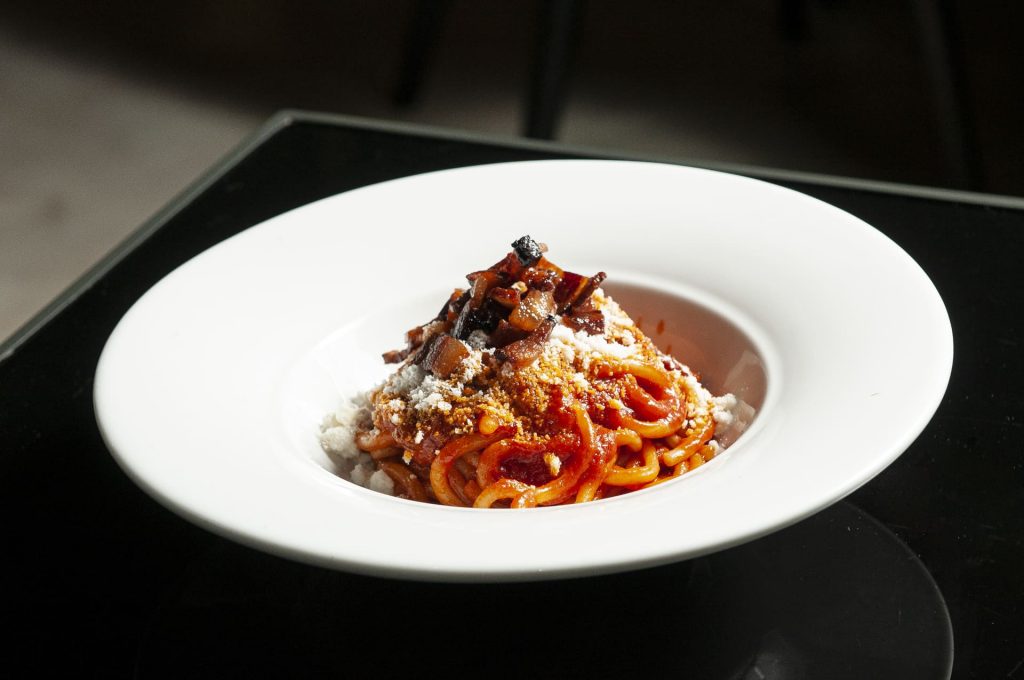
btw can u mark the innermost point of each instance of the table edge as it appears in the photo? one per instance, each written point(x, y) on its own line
point(755, 171)
point(287, 117)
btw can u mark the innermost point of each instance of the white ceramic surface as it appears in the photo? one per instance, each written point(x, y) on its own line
point(210, 390)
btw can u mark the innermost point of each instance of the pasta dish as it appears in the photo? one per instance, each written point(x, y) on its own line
point(531, 387)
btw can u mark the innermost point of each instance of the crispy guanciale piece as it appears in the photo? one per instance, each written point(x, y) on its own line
point(515, 304)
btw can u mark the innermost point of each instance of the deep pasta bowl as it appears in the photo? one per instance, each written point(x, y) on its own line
point(210, 390)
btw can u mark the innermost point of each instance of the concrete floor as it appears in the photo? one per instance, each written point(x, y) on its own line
point(94, 141)
point(86, 155)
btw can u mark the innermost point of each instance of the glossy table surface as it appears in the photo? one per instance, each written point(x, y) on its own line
point(101, 580)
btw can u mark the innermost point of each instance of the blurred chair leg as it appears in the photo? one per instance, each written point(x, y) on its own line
point(418, 49)
point(558, 35)
point(941, 47)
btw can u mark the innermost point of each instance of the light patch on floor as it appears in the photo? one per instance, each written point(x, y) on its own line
point(86, 155)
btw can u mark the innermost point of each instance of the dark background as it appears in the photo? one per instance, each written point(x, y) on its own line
point(919, 91)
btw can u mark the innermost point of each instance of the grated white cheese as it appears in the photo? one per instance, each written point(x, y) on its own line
point(337, 439)
point(363, 470)
point(477, 340)
point(722, 409)
point(587, 347)
point(732, 417)
point(613, 314)
point(470, 366)
point(694, 385)
point(408, 378)
point(338, 429)
point(381, 483)
point(431, 391)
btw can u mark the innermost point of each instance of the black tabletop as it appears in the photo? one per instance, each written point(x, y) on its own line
point(101, 580)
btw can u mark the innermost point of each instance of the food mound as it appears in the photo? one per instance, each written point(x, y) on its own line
point(530, 388)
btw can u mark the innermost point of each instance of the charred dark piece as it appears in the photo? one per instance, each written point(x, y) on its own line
point(527, 250)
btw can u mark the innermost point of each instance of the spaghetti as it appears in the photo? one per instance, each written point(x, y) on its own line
point(531, 388)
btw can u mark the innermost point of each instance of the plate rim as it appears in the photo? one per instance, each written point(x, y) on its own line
point(425, 572)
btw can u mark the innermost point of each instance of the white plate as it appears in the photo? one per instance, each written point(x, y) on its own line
point(210, 390)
